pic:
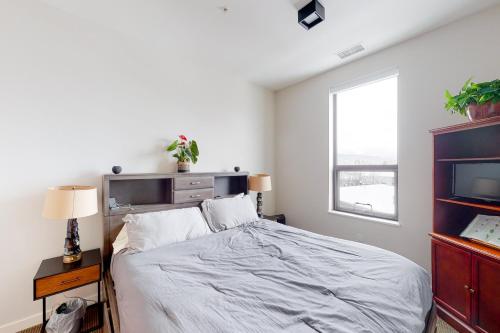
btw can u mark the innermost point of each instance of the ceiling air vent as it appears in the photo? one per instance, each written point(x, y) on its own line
point(350, 51)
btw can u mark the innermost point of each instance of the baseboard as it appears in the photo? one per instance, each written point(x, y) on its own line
point(34, 319)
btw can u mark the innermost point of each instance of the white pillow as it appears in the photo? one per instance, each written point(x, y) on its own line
point(121, 241)
point(151, 230)
point(223, 214)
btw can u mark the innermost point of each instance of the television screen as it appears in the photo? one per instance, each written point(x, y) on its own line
point(477, 181)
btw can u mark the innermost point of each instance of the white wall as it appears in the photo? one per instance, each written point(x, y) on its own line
point(442, 59)
point(76, 99)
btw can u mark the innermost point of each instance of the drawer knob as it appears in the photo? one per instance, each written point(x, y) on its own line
point(196, 196)
point(472, 291)
point(195, 183)
point(466, 287)
point(70, 281)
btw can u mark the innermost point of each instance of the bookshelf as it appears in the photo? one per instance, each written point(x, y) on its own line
point(465, 273)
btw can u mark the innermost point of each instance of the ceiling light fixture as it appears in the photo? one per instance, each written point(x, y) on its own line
point(311, 14)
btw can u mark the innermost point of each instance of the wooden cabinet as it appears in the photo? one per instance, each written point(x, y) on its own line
point(467, 286)
point(465, 274)
point(486, 294)
point(451, 279)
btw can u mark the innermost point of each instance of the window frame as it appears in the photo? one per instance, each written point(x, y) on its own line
point(335, 168)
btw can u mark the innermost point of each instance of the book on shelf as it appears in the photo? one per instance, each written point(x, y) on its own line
point(484, 229)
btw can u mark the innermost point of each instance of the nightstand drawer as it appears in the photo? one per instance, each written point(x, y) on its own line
point(61, 282)
point(193, 195)
point(187, 183)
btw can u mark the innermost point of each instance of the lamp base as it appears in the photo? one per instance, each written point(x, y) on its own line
point(259, 205)
point(72, 252)
point(68, 259)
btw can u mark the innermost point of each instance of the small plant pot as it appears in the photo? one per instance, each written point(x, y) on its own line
point(183, 166)
point(479, 112)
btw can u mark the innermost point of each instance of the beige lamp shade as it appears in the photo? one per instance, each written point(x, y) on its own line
point(260, 182)
point(70, 202)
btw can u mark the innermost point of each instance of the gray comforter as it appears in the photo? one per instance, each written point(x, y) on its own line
point(265, 277)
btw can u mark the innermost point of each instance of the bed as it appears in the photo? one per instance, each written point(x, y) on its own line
point(266, 277)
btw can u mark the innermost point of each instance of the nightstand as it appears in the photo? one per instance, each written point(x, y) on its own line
point(280, 218)
point(54, 277)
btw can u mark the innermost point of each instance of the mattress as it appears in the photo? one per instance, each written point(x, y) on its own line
point(267, 277)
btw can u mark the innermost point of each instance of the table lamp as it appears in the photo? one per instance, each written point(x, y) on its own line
point(70, 202)
point(259, 183)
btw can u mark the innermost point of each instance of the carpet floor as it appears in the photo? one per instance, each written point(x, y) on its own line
point(91, 320)
point(443, 327)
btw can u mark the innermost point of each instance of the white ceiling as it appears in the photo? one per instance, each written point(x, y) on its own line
point(260, 40)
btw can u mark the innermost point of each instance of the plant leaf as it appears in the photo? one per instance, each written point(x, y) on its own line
point(466, 84)
point(485, 98)
point(173, 145)
point(194, 148)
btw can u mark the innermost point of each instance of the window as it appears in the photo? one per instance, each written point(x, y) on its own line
point(364, 148)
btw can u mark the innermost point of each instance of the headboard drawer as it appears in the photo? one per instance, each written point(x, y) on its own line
point(193, 195)
point(188, 183)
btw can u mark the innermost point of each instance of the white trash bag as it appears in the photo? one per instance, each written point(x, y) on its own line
point(69, 320)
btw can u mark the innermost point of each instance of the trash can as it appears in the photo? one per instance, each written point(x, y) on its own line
point(69, 319)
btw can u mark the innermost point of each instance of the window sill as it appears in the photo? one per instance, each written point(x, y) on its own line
point(365, 218)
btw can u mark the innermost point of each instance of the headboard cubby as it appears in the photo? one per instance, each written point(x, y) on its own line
point(227, 186)
point(141, 191)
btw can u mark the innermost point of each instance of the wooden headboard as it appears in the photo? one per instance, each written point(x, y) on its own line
point(141, 193)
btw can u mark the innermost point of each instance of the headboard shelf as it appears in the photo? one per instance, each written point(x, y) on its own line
point(141, 193)
point(137, 209)
point(142, 176)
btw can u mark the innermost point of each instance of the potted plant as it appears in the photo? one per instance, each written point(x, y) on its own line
point(186, 152)
point(476, 100)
